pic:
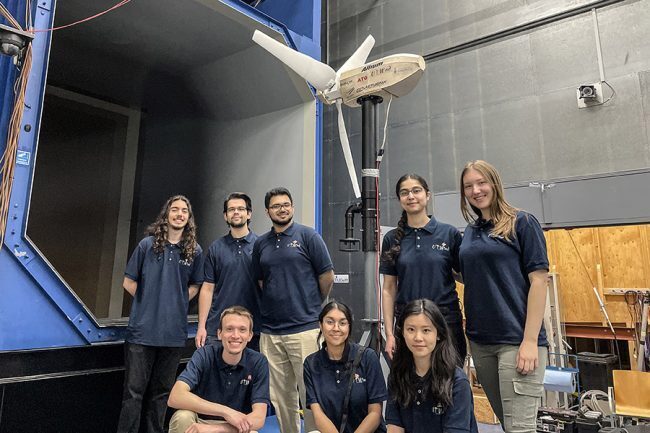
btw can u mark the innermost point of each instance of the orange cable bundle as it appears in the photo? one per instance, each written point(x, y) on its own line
point(8, 159)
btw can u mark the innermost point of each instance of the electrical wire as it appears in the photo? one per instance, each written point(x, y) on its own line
point(83, 20)
point(28, 15)
point(634, 306)
point(8, 159)
point(581, 261)
point(378, 295)
point(380, 153)
point(380, 156)
point(5, 13)
point(589, 402)
point(610, 96)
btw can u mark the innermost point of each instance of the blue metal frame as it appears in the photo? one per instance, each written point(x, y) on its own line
point(38, 310)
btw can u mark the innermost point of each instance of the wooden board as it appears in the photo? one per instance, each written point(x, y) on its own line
point(482, 409)
point(622, 252)
point(575, 254)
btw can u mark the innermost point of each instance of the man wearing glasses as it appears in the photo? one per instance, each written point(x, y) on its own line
point(295, 273)
point(228, 279)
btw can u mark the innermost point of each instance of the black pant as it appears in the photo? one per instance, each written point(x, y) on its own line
point(455, 322)
point(148, 377)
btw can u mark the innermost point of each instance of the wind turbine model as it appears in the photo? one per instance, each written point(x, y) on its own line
point(394, 76)
point(366, 84)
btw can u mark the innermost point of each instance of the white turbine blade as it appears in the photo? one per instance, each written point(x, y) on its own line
point(318, 74)
point(359, 57)
point(347, 153)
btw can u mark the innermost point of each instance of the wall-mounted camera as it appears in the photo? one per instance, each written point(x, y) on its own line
point(13, 41)
point(589, 95)
point(587, 92)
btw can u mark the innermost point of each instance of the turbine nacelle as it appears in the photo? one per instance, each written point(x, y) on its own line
point(395, 76)
point(392, 76)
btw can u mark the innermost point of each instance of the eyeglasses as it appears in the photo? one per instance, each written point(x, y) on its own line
point(238, 209)
point(415, 191)
point(332, 322)
point(278, 206)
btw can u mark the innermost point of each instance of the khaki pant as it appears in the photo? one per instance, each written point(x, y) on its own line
point(514, 397)
point(286, 354)
point(182, 419)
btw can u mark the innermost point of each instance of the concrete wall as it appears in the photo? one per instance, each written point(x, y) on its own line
point(507, 98)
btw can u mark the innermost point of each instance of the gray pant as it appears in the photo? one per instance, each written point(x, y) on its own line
point(514, 397)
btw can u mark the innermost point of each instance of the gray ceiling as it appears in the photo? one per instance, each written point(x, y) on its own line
point(178, 33)
point(201, 50)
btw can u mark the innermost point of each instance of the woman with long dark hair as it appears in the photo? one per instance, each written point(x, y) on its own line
point(344, 382)
point(428, 392)
point(505, 268)
point(420, 260)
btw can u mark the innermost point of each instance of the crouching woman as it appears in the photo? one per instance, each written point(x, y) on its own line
point(427, 391)
point(344, 383)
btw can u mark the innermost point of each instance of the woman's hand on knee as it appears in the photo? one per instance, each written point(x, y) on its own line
point(527, 357)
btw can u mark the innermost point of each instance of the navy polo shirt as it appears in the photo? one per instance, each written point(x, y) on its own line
point(495, 272)
point(425, 262)
point(159, 310)
point(235, 386)
point(228, 267)
point(289, 264)
point(326, 383)
point(427, 416)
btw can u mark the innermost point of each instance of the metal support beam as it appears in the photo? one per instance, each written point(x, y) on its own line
point(600, 332)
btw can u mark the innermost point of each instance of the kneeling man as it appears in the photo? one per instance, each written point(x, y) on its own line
point(225, 386)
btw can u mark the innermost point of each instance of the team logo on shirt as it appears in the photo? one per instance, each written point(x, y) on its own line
point(293, 244)
point(492, 235)
point(246, 381)
point(440, 247)
point(438, 409)
point(358, 379)
point(185, 262)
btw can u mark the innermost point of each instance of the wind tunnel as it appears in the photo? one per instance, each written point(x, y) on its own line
point(155, 98)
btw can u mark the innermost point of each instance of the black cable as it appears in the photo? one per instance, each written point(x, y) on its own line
point(632, 302)
point(618, 352)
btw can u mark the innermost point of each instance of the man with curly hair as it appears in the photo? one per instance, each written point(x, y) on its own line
point(164, 272)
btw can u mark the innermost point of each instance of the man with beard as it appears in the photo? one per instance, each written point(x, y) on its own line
point(228, 280)
point(294, 270)
point(225, 386)
point(163, 274)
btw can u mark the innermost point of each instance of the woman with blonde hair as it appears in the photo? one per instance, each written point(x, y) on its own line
point(504, 266)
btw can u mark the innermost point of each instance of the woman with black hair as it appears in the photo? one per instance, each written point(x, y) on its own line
point(419, 260)
point(344, 382)
point(428, 391)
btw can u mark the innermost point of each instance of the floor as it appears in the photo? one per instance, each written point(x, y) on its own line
point(489, 428)
point(271, 426)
